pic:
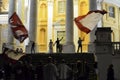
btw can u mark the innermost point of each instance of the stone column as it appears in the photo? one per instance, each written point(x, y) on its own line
point(32, 24)
point(32, 19)
point(12, 4)
point(69, 46)
point(0, 5)
point(50, 21)
point(75, 26)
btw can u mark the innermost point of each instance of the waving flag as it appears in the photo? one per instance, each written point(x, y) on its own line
point(17, 27)
point(87, 22)
point(11, 55)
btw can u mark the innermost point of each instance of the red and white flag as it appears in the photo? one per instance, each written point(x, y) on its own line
point(17, 27)
point(87, 22)
point(11, 55)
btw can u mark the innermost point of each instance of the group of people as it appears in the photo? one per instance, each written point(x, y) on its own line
point(19, 50)
point(58, 45)
point(24, 70)
point(5, 48)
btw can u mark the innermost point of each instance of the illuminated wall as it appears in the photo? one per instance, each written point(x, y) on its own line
point(59, 10)
point(112, 19)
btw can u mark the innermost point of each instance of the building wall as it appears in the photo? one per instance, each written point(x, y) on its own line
point(59, 10)
point(42, 26)
point(112, 22)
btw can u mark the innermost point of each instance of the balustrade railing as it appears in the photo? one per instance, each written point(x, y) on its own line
point(116, 47)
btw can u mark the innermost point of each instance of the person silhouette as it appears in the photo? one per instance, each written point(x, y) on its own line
point(57, 42)
point(3, 47)
point(32, 47)
point(50, 46)
point(79, 45)
point(50, 70)
point(110, 72)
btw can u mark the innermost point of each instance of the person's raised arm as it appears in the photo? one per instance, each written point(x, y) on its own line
point(54, 43)
point(61, 38)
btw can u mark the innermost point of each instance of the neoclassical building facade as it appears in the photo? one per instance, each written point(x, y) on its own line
point(52, 19)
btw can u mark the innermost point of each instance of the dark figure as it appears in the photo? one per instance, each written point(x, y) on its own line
point(17, 50)
point(57, 42)
point(64, 71)
point(29, 71)
point(86, 71)
point(32, 47)
point(78, 74)
point(50, 46)
point(110, 72)
point(19, 71)
point(1, 73)
point(3, 47)
point(39, 71)
point(79, 45)
point(60, 48)
point(8, 71)
point(21, 50)
point(50, 71)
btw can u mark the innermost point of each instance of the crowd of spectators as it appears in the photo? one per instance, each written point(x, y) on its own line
point(24, 70)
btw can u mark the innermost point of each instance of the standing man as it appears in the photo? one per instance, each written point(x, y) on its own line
point(50, 46)
point(32, 47)
point(57, 42)
point(64, 70)
point(79, 45)
point(110, 72)
point(3, 47)
point(50, 71)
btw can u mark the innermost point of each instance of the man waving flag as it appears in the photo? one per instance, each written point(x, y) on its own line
point(87, 22)
point(17, 27)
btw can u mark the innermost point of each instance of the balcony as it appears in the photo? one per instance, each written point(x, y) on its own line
point(116, 47)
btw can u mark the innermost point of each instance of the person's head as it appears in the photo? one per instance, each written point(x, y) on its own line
point(4, 43)
point(78, 63)
point(63, 60)
point(40, 63)
point(49, 59)
point(17, 48)
point(111, 66)
point(50, 40)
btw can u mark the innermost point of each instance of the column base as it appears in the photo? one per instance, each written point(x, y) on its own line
point(69, 48)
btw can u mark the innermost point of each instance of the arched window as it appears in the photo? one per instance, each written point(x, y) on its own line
point(111, 11)
point(43, 11)
point(42, 36)
point(61, 6)
point(83, 8)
